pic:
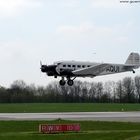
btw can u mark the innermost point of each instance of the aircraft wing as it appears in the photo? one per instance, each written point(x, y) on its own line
point(93, 70)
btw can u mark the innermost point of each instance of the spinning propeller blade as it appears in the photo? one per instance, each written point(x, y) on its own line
point(40, 63)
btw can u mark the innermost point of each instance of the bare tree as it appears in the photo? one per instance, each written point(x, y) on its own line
point(99, 90)
point(92, 92)
point(128, 85)
point(18, 84)
point(109, 88)
point(137, 86)
point(119, 91)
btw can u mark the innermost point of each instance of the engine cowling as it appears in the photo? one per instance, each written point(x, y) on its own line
point(43, 68)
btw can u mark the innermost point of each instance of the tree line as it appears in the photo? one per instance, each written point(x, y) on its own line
point(126, 90)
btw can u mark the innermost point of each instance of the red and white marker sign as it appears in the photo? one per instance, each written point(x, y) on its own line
point(56, 128)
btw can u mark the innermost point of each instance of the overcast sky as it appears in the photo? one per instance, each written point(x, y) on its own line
point(53, 30)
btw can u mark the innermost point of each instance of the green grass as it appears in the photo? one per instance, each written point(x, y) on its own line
point(83, 136)
point(90, 130)
point(66, 107)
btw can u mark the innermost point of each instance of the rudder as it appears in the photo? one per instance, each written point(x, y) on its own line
point(133, 59)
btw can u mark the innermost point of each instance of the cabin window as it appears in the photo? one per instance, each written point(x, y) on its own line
point(83, 66)
point(64, 65)
point(88, 66)
point(69, 66)
point(79, 66)
point(73, 66)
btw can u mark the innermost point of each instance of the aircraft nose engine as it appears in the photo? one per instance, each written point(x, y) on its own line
point(44, 68)
point(50, 69)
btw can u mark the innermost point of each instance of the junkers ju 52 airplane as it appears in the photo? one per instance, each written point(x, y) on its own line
point(69, 70)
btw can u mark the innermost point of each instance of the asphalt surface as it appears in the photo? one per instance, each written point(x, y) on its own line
point(97, 116)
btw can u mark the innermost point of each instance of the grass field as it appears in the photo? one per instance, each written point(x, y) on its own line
point(90, 130)
point(66, 107)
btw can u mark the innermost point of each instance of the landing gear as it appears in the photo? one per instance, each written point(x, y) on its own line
point(62, 82)
point(133, 71)
point(70, 82)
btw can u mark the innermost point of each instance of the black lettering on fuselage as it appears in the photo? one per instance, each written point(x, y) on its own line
point(113, 69)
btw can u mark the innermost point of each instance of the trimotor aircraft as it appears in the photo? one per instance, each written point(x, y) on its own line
point(69, 70)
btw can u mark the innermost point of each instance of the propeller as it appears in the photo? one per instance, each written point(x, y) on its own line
point(43, 67)
point(40, 63)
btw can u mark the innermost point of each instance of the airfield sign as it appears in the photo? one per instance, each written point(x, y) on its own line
point(58, 128)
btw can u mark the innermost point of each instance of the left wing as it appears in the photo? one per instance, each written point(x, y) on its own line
point(93, 70)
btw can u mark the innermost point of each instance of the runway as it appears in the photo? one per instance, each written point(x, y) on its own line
point(96, 116)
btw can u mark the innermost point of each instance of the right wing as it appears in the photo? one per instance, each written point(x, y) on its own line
point(93, 70)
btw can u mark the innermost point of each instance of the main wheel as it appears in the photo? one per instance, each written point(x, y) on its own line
point(70, 82)
point(62, 82)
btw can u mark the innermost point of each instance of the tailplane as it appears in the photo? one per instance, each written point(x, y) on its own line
point(133, 59)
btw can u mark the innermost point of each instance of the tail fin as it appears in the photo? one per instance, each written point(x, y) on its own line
point(133, 59)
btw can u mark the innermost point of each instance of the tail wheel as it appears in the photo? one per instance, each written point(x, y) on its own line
point(70, 82)
point(62, 82)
